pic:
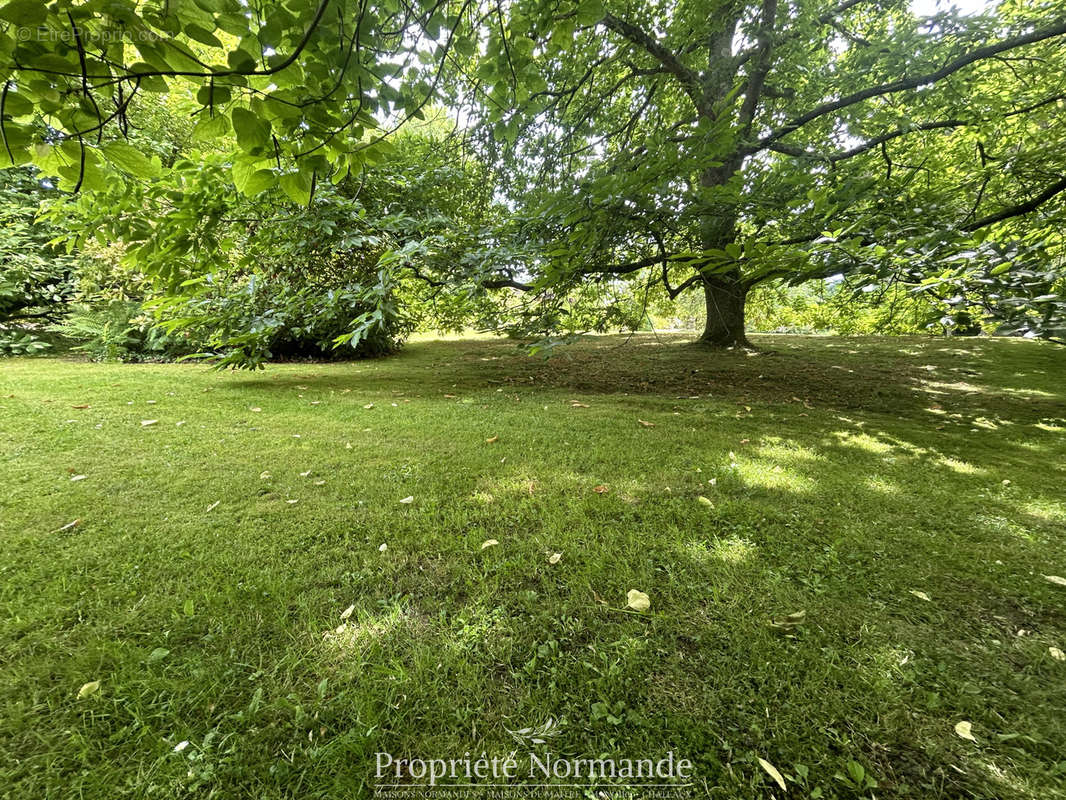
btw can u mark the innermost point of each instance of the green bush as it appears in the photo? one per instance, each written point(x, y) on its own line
point(36, 278)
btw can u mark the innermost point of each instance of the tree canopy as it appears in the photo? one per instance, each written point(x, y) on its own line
point(697, 145)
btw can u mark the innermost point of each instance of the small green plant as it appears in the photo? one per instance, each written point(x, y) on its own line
point(103, 332)
point(856, 777)
point(21, 343)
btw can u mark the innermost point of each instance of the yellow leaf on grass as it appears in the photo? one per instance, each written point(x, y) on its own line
point(1057, 654)
point(554, 558)
point(348, 611)
point(706, 501)
point(146, 422)
point(492, 439)
point(964, 730)
point(644, 423)
point(1055, 579)
point(489, 543)
point(90, 688)
point(638, 601)
point(771, 770)
point(408, 500)
point(921, 595)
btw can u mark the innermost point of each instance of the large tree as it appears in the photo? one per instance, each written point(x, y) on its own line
point(717, 144)
point(706, 144)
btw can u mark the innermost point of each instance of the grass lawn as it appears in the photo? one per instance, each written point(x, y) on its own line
point(908, 495)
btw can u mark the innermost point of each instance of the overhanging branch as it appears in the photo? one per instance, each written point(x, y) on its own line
point(906, 84)
point(1019, 209)
point(688, 78)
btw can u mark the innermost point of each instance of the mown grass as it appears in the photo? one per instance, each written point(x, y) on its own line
point(848, 475)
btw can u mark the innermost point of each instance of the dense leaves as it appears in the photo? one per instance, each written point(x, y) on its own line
point(36, 279)
point(678, 146)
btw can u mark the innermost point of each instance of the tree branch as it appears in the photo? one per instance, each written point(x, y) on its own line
point(688, 78)
point(760, 68)
point(905, 84)
point(859, 149)
point(1020, 208)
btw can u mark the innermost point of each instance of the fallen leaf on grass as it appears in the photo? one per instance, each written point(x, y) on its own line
point(644, 423)
point(638, 601)
point(601, 489)
point(69, 525)
point(320, 483)
point(964, 731)
point(408, 500)
point(789, 622)
point(292, 502)
point(348, 611)
point(771, 770)
point(146, 422)
point(576, 404)
point(705, 501)
point(78, 477)
point(256, 409)
point(369, 405)
point(383, 548)
point(264, 476)
point(488, 543)
point(554, 558)
point(305, 474)
point(1055, 579)
point(492, 439)
point(82, 406)
point(1057, 654)
point(87, 689)
point(213, 506)
point(921, 595)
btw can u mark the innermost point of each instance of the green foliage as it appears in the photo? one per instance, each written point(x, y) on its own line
point(245, 279)
point(15, 342)
point(36, 279)
point(301, 86)
point(694, 144)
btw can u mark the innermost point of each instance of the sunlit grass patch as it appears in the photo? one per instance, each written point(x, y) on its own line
point(838, 495)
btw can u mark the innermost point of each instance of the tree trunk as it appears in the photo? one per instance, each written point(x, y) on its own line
point(725, 292)
point(725, 295)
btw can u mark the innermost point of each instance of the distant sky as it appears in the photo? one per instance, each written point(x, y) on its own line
point(925, 8)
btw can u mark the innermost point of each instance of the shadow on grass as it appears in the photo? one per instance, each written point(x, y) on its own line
point(913, 528)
